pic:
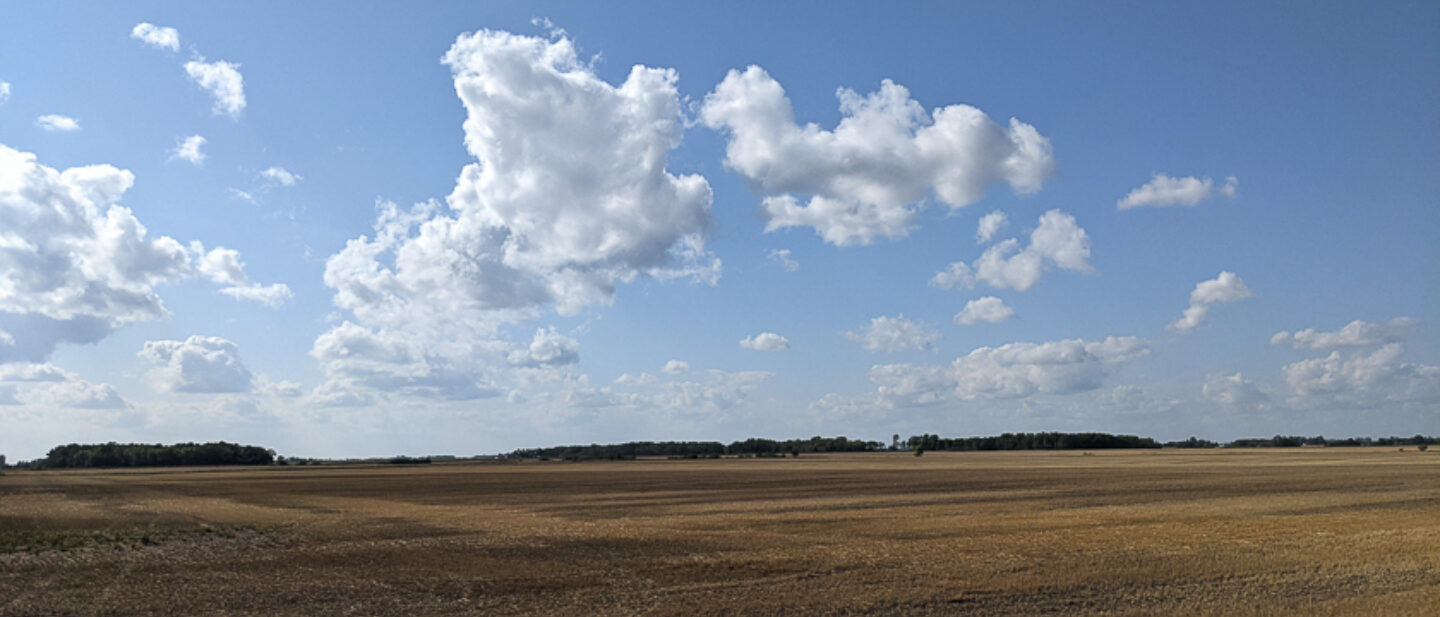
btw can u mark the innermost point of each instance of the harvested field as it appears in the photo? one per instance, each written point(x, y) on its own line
point(1282, 532)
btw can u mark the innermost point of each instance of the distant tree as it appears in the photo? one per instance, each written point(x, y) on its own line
point(920, 450)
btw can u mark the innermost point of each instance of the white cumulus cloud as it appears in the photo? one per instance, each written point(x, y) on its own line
point(990, 225)
point(199, 364)
point(1058, 242)
point(866, 178)
point(4, 91)
point(676, 367)
point(1227, 287)
point(1163, 190)
point(155, 36)
point(894, 334)
point(984, 310)
point(57, 123)
point(189, 149)
point(74, 264)
point(548, 348)
point(1354, 334)
point(224, 83)
point(569, 197)
point(765, 341)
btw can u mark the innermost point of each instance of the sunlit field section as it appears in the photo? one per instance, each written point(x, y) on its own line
point(1269, 532)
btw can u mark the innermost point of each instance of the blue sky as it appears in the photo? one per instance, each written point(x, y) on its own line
point(1223, 221)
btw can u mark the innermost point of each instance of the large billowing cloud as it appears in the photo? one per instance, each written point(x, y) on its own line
point(198, 364)
point(866, 178)
point(1057, 242)
point(1227, 287)
point(568, 198)
point(1162, 190)
point(1009, 371)
point(894, 334)
point(74, 264)
point(1355, 333)
point(224, 83)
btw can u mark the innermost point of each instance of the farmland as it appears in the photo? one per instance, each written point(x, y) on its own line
point(1257, 532)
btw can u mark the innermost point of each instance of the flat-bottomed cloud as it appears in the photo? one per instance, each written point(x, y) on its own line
point(1163, 190)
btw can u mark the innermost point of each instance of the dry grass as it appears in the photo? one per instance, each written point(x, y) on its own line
point(1298, 532)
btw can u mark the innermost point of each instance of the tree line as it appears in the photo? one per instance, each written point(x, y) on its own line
point(1295, 441)
point(1032, 441)
point(113, 454)
point(927, 442)
point(699, 449)
point(760, 446)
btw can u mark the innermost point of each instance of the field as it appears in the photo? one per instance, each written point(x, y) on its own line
point(1274, 532)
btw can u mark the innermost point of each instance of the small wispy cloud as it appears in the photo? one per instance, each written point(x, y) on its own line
point(241, 195)
point(58, 123)
point(156, 36)
point(280, 176)
point(189, 149)
point(549, 26)
point(782, 257)
point(224, 83)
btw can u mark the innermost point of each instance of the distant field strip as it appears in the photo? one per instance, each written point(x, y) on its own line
point(1147, 532)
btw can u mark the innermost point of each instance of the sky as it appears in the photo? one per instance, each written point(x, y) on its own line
point(343, 230)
